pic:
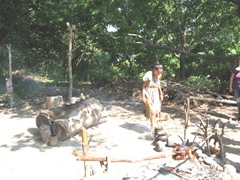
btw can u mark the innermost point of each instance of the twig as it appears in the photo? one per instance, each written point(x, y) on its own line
point(181, 163)
point(195, 136)
point(193, 145)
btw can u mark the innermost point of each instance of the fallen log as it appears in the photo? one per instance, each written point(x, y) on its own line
point(67, 120)
point(225, 101)
point(82, 157)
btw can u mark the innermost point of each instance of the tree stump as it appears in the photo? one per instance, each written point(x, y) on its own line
point(54, 101)
point(74, 100)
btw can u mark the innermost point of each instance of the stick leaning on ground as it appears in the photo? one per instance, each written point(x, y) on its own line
point(82, 157)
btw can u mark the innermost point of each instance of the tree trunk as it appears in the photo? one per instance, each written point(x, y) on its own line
point(70, 60)
point(9, 79)
point(182, 67)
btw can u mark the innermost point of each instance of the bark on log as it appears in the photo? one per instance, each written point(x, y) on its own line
point(45, 132)
point(67, 120)
point(43, 119)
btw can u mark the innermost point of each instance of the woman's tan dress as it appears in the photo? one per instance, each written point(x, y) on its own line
point(153, 104)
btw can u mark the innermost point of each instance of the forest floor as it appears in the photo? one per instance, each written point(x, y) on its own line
point(24, 156)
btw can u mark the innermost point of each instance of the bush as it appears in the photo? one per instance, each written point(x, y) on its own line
point(204, 83)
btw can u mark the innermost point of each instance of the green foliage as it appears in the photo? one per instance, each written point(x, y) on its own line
point(128, 69)
point(4, 98)
point(100, 72)
point(146, 31)
point(204, 83)
point(25, 89)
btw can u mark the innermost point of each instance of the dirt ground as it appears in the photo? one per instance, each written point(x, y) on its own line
point(24, 156)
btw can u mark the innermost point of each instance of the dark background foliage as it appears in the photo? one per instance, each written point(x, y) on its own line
point(196, 41)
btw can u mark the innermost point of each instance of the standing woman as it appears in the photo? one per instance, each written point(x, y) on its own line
point(234, 84)
point(152, 94)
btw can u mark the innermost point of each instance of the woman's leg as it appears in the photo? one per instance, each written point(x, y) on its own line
point(237, 97)
point(151, 115)
point(153, 124)
point(148, 109)
point(153, 120)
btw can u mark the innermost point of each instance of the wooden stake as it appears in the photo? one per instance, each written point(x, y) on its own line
point(84, 147)
point(187, 117)
point(108, 164)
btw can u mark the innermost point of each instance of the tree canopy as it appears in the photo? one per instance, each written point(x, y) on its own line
point(121, 38)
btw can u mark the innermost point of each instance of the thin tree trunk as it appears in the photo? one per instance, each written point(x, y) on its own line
point(182, 67)
point(9, 79)
point(70, 60)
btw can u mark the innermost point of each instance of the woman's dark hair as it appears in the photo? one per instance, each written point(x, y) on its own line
point(157, 65)
point(237, 59)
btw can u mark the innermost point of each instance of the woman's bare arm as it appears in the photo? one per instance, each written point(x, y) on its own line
point(144, 84)
point(231, 82)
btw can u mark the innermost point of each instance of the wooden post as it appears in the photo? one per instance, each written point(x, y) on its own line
point(85, 148)
point(70, 36)
point(9, 79)
point(108, 159)
point(187, 117)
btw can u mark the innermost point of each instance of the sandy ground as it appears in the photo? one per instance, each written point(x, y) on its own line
point(24, 156)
